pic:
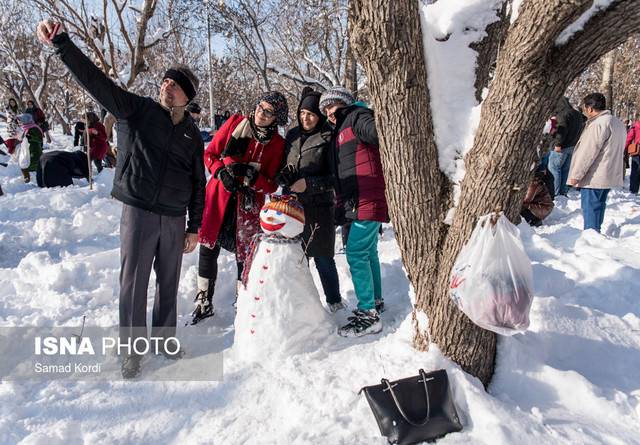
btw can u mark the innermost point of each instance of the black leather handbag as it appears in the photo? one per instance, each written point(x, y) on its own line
point(415, 409)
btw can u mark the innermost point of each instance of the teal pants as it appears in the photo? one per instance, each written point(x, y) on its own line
point(362, 256)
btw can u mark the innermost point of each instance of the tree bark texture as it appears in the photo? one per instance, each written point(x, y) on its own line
point(531, 73)
point(606, 87)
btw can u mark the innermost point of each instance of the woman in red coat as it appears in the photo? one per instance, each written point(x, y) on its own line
point(97, 139)
point(243, 158)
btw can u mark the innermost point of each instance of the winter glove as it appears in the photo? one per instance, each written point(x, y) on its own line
point(287, 176)
point(245, 170)
point(228, 180)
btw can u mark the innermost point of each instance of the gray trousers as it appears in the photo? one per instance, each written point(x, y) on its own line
point(148, 239)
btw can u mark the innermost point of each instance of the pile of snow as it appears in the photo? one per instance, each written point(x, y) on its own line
point(572, 378)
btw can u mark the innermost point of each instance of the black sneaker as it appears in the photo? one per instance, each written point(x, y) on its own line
point(204, 307)
point(172, 351)
point(379, 302)
point(361, 323)
point(131, 366)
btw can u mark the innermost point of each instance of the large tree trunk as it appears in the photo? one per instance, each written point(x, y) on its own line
point(528, 80)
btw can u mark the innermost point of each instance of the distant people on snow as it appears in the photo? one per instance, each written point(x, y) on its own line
point(13, 110)
point(633, 137)
point(39, 118)
point(569, 124)
point(595, 167)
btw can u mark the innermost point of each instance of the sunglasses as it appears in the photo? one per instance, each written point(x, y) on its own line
point(265, 112)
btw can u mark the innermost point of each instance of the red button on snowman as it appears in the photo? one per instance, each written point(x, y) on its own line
point(279, 312)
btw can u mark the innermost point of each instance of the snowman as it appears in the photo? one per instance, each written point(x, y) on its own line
point(278, 310)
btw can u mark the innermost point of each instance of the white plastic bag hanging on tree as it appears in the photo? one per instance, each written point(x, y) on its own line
point(492, 280)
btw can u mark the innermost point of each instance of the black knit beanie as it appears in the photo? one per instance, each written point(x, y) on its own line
point(184, 77)
point(311, 102)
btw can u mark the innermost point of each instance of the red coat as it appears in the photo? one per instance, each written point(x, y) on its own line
point(98, 141)
point(217, 197)
point(634, 134)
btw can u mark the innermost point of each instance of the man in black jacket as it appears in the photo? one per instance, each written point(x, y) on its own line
point(159, 179)
point(569, 126)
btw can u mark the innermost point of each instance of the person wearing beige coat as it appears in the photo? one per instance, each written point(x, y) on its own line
point(595, 167)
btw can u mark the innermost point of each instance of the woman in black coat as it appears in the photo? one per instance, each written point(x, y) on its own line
point(308, 174)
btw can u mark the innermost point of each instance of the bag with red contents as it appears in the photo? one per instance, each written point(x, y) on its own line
point(492, 279)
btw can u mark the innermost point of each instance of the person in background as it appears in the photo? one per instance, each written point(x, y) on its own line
point(13, 110)
point(34, 136)
point(218, 119)
point(109, 122)
point(569, 124)
point(308, 173)
point(633, 137)
point(538, 202)
point(39, 118)
point(360, 191)
point(595, 167)
point(196, 112)
point(58, 168)
point(243, 157)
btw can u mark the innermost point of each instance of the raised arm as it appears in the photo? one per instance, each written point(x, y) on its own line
point(122, 104)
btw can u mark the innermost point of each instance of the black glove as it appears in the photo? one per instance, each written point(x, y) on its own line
point(287, 176)
point(227, 179)
point(246, 170)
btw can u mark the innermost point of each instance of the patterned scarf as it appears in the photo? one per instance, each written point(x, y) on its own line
point(262, 134)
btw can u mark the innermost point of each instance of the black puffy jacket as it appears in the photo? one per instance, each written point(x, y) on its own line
point(160, 165)
point(312, 157)
point(570, 123)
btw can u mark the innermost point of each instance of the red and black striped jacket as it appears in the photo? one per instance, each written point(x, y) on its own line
point(358, 169)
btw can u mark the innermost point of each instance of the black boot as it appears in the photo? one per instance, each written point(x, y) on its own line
point(204, 304)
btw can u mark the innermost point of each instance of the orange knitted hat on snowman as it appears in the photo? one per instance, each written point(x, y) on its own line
point(287, 204)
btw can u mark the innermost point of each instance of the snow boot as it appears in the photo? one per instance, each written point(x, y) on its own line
point(361, 323)
point(26, 176)
point(335, 307)
point(379, 302)
point(203, 300)
point(131, 366)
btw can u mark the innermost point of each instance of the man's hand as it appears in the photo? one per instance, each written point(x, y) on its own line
point(299, 186)
point(557, 149)
point(572, 182)
point(190, 242)
point(47, 30)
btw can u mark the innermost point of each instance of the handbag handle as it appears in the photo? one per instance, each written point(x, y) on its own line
point(397, 403)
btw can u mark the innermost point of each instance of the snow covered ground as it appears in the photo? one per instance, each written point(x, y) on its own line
point(573, 378)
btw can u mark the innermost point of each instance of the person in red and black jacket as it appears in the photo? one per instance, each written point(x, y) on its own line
point(244, 158)
point(360, 191)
